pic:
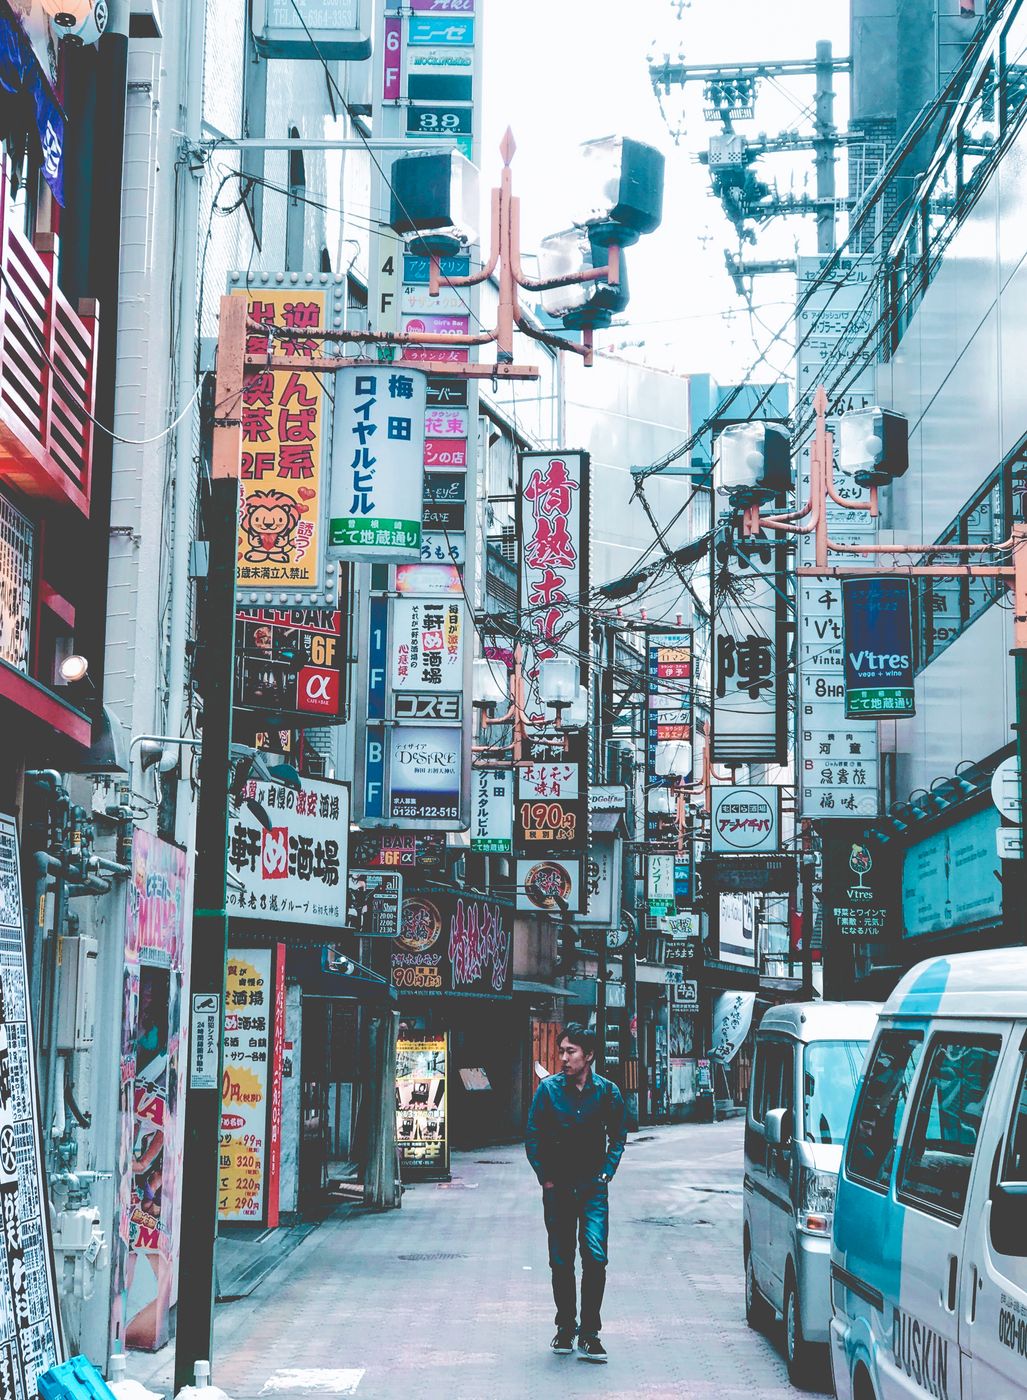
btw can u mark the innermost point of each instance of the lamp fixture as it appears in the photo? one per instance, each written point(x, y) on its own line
point(73, 668)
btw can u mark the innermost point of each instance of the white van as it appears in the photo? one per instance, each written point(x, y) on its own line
point(929, 1254)
point(805, 1075)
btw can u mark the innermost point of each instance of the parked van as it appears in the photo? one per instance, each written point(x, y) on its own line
point(809, 1056)
point(929, 1257)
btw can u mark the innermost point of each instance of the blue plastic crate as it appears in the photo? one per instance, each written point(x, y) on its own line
point(76, 1379)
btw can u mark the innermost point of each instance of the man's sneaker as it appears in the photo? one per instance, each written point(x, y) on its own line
point(590, 1349)
point(563, 1343)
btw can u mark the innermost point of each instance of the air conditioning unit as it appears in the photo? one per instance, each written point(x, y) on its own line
point(144, 20)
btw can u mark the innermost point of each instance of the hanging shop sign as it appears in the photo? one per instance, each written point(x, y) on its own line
point(250, 1145)
point(397, 850)
point(732, 1017)
point(659, 885)
point(608, 799)
point(285, 433)
point(294, 872)
point(737, 928)
point(428, 579)
point(419, 705)
point(856, 896)
point(450, 29)
point(425, 767)
point(492, 810)
point(668, 700)
point(422, 1071)
point(551, 886)
point(603, 877)
point(427, 644)
point(443, 547)
point(445, 487)
point(750, 689)
point(550, 813)
point(775, 874)
point(461, 944)
point(878, 637)
point(377, 464)
point(290, 661)
point(745, 819)
point(28, 1293)
point(313, 29)
point(679, 927)
point(17, 586)
point(839, 764)
point(683, 875)
point(949, 880)
point(682, 951)
point(553, 528)
point(374, 901)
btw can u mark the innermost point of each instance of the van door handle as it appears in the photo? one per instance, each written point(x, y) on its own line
point(953, 1270)
point(971, 1302)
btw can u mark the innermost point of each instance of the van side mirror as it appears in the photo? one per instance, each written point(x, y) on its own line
point(777, 1127)
point(1009, 1218)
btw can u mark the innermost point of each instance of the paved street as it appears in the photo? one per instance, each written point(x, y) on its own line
point(449, 1298)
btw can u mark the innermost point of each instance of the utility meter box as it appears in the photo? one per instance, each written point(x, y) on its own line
point(76, 1007)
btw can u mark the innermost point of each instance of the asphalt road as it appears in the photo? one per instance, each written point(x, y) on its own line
point(449, 1298)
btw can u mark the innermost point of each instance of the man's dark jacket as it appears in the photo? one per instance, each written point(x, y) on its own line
point(572, 1138)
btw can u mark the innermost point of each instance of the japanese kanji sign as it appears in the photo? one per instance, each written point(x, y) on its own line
point(553, 527)
point(377, 464)
point(284, 424)
point(550, 814)
point(659, 885)
point(456, 943)
point(296, 871)
point(290, 660)
point(428, 644)
point(745, 819)
point(878, 632)
point(668, 690)
point(492, 810)
point(750, 685)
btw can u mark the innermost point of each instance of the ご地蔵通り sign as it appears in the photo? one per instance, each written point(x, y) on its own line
point(878, 629)
point(296, 871)
point(745, 819)
point(377, 464)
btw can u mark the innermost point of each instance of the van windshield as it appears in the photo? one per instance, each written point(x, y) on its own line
point(830, 1076)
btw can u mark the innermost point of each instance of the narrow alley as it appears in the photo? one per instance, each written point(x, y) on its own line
point(449, 1297)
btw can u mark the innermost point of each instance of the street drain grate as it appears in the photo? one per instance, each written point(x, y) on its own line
point(428, 1258)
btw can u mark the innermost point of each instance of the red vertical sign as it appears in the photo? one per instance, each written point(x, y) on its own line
point(277, 1028)
point(393, 59)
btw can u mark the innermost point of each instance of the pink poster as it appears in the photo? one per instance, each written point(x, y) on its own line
point(145, 1241)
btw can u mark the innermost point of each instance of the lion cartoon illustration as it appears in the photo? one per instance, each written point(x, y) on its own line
point(269, 520)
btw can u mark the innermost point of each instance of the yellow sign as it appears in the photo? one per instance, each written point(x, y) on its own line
point(284, 426)
point(242, 1149)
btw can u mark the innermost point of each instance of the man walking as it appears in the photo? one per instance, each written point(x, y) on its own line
point(577, 1128)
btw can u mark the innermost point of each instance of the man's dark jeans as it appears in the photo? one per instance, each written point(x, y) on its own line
point(581, 1211)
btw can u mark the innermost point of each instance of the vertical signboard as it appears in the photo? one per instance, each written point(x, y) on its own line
point(750, 668)
point(293, 871)
point(149, 1131)
point(378, 464)
point(744, 820)
point(250, 1140)
point(669, 713)
point(553, 529)
point(286, 435)
point(878, 639)
point(659, 885)
point(492, 810)
point(30, 1329)
point(836, 756)
point(422, 1069)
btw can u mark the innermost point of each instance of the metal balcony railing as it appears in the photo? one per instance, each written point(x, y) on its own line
point(47, 371)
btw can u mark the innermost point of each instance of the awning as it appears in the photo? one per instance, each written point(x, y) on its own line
point(20, 73)
point(540, 988)
point(732, 1017)
point(606, 821)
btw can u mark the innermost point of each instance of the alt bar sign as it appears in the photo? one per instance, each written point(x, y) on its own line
point(878, 640)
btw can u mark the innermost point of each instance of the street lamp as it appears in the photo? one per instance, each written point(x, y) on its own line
point(558, 684)
point(620, 190)
point(486, 687)
point(873, 445)
point(752, 463)
point(435, 203)
point(579, 304)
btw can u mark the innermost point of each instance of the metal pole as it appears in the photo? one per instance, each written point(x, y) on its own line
point(210, 917)
point(824, 146)
point(806, 868)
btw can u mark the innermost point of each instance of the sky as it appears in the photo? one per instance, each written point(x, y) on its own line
point(559, 72)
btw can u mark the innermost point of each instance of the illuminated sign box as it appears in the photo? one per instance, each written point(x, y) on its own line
point(312, 28)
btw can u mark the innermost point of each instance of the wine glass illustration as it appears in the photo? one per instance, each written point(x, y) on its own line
point(860, 862)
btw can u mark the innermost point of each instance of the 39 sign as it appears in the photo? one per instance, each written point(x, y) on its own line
point(437, 119)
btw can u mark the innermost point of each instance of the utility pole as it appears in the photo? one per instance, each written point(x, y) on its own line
point(824, 146)
point(209, 946)
point(806, 872)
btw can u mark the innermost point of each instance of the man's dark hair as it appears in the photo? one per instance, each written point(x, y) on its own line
point(578, 1035)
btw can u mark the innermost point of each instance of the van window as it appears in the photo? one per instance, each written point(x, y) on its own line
point(939, 1152)
point(881, 1105)
point(830, 1078)
point(775, 1083)
point(1015, 1167)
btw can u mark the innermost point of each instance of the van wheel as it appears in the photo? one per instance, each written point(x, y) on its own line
point(798, 1352)
point(757, 1310)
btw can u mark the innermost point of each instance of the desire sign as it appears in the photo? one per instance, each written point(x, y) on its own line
point(877, 621)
